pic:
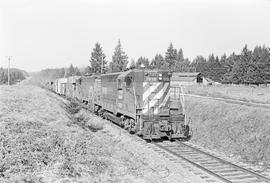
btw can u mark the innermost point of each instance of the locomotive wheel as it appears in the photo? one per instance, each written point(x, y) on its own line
point(151, 131)
point(127, 124)
point(122, 122)
point(132, 126)
point(170, 136)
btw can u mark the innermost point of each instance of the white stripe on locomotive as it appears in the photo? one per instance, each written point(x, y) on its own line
point(148, 92)
point(154, 100)
point(163, 102)
point(144, 83)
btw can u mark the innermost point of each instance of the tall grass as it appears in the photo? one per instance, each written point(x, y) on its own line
point(247, 93)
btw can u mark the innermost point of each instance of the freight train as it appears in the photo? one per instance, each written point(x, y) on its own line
point(141, 101)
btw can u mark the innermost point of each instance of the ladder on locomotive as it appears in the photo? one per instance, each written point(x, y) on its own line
point(177, 95)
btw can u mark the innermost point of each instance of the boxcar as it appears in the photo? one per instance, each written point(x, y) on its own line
point(88, 91)
point(71, 86)
point(59, 86)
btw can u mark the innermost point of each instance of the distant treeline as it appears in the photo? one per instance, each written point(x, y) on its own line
point(247, 67)
point(16, 75)
point(59, 73)
point(47, 75)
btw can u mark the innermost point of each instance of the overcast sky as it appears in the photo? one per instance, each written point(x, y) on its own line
point(53, 33)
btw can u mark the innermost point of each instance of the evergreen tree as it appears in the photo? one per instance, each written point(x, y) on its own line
point(214, 71)
point(185, 66)
point(77, 72)
point(157, 62)
point(261, 55)
point(16, 75)
point(171, 56)
point(211, 66)
point(87, 70)
point(70, 71)
point(98, 60)
point(112, 67)
point(242, 72)
point(200, 65)
point(144, 61)
point(119, 59)
point(181, 64)
point(228, 66)
point(223, 68)
point(132, 64)
point(252, 72)
point(180, 56)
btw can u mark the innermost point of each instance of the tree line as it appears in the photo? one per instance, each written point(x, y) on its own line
point(247, 67)
point(47, 75)
point(16, 75)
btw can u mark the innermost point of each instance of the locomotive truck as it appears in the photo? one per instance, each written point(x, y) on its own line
point(141, 101)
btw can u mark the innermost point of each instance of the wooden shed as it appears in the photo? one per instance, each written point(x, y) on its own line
point(187, 78)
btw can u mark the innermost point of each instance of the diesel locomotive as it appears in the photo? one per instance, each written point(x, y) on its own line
point(141, 101)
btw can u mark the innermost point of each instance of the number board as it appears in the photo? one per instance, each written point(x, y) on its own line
point(151, 76)
point(148, 78)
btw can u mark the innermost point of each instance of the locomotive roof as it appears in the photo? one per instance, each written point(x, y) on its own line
point(136, 70)
point(124, 74)
point(186, 74)
point(62, 80)
point(72, 79)
point(112, 73)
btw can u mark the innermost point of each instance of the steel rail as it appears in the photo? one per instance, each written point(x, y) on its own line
point(193, 163)
point(259, 176)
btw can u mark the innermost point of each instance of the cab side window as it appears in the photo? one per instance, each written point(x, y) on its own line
point(128, 81)
point(119, 84)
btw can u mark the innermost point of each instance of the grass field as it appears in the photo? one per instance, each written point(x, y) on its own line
point(237, 130)
point(243, 93)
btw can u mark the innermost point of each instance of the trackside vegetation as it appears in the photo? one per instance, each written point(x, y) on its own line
point(16, 75)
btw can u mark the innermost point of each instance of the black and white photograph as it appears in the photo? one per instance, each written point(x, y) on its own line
point(134, 91)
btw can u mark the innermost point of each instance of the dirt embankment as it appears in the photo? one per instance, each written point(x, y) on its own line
point(237, 130)
point(45, 138)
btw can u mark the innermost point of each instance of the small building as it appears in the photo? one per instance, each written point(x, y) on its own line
point(187, 78)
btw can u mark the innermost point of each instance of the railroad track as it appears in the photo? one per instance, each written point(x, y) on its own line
point(224, 170)
point(217, 167)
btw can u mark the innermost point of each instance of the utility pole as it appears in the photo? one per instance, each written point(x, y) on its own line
point(9, 58)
